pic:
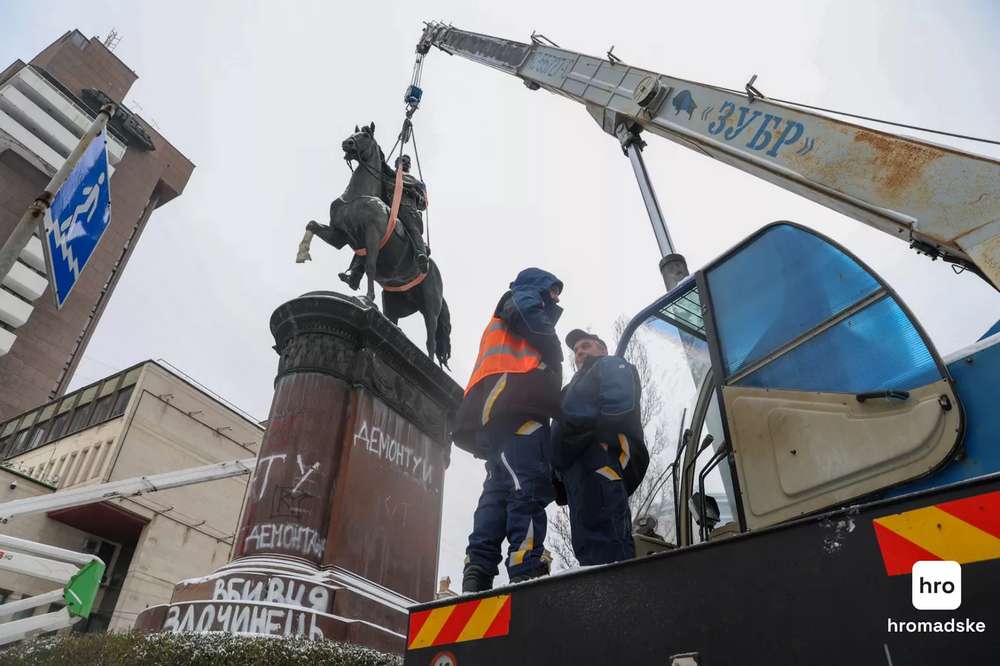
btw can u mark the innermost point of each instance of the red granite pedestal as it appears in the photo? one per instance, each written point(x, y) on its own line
point(341, 526)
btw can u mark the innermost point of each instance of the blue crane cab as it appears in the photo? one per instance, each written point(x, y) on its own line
point(809, 385)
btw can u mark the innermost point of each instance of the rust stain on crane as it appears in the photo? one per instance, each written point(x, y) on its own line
point(900, 164)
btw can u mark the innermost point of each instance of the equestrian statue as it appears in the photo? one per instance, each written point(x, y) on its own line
point(390, 253)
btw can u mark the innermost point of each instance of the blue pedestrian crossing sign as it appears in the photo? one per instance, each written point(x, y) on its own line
point(79, 215)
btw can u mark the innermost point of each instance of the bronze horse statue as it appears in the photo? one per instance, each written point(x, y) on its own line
point(359, 218)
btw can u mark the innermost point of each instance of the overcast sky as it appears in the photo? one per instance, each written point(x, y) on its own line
point(260, 95)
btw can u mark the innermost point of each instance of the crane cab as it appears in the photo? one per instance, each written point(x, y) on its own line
point(807, 383)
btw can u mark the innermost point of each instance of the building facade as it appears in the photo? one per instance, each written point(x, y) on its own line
point(144, 420)
point(45, 106)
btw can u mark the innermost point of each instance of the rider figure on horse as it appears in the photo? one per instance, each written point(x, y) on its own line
point(413, 200)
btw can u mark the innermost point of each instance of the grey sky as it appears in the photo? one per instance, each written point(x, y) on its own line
point(259, 96)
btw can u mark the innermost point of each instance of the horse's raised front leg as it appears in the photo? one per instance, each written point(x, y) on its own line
point(327, 234)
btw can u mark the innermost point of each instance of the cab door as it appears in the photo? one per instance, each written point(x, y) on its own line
point(831, 390)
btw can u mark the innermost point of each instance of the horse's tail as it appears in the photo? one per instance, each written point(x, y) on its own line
point(442, 337)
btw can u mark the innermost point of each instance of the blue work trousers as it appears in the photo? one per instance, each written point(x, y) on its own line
point(599, 515)
point(517, 489)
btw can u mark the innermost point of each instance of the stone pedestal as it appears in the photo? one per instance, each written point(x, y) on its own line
point(342, 521)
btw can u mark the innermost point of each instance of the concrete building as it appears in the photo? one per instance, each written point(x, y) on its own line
point(144, 420)
point(45, 106)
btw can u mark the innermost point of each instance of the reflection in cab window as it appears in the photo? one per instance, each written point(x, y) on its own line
point(877, 348)
point(671, 355)
point(782, 284)
point(827, 321)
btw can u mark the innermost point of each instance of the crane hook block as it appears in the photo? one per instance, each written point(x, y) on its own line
point(413, 95)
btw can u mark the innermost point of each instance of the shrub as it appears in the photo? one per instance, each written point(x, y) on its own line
point(208, 649)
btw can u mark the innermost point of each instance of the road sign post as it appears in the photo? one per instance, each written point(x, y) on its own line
point(37, 211)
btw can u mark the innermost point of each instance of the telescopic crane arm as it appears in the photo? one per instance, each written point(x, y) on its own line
point(943, 201)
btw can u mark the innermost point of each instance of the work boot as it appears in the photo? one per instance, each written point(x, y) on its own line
point(475, 579)
point(423, 263)
point(545, 564)
point(537, 573)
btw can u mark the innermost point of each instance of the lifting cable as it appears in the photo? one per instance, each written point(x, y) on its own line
point(412, 98)
point(753, 93)
point(427, 199)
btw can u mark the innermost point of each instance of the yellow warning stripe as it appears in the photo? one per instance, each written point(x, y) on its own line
point(492, 397)
point(528, 427)
point(432, 627)
point(626, 453)
point(609, 473)
point(943, 534)
point(517, 557)
point(482, 618)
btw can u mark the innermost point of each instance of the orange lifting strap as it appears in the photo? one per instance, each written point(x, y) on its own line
point(409, 285)
point(501, 351)
point(397, 196)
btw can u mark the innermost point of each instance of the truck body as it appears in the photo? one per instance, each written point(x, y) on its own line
point(815, 591)
point(846, 450)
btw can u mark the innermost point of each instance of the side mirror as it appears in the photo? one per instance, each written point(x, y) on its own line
point(712, 515)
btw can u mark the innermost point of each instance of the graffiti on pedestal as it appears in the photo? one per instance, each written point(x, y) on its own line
point(286, 536)
point(303, 479)
point(275, 590)
point(383, 445)
point(244, 604)
point(290, 506)
point(249, 618)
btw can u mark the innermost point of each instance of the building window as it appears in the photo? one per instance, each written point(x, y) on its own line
point(58, 426)
point(84, 409)
point(20, 443)
point(80, 418)
point(5, 445)
point(7, 437)
point(105, 400)
point(102, 410)
point(122, 401)
point(37, 436)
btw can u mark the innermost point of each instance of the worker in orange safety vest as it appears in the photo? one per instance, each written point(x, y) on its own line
point(504, 419)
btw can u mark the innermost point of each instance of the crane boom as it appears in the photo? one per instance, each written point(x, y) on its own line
point(944, 201)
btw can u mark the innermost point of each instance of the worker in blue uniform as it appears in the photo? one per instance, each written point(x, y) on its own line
point(504, 418)
point(598, 450)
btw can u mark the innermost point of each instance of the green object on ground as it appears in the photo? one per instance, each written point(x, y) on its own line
point(81, 590)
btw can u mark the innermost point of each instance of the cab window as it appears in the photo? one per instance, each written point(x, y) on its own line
point(670, 342)
point(794, 312)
